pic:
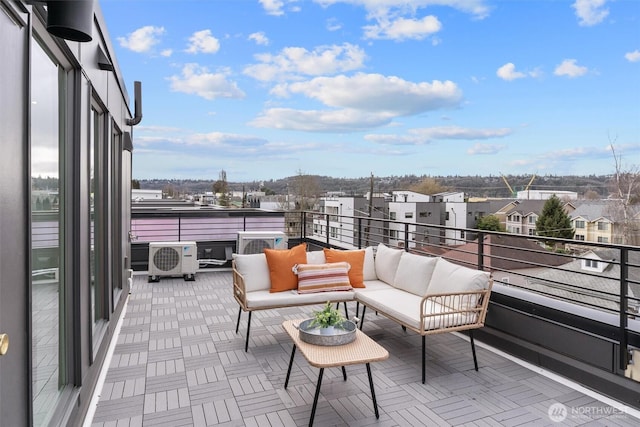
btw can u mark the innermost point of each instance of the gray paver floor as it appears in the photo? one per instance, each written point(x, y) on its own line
point(179, 362)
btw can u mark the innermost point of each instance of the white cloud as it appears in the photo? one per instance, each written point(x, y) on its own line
point(203, 42)
point(477, 8)
point(590, 12)
point(345, 120)
point(260, 38)
point(569, 68)
point(275, 7)
point(293, 62)
point(633, 56)
point(377, 93)
point(485, 149)
point(427, 135)
point(199, 81)
point(166, 53)
point(508, 72)
point(142, 39)
point(403, 29)
point(333, 24)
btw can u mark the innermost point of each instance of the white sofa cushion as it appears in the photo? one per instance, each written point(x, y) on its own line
point(386, 262)
point(451, 278)
point(414, 273)
point(255, 271)
point(316, 257)
point(373, 285)
point(369, 267)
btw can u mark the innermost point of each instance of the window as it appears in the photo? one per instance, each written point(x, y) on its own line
point(392, 216)
point(532, 232)
point(603, 226)
point(602, 239)
point(408, 214)
point(334, 232)
point(532, 219)
point(591, 263)
point(98, 201)
point(48, 216)
point(393, 234)
point(579, 223)
point(579, 237)
point(424, 214)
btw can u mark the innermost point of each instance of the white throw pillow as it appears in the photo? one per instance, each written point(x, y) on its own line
point(414, 273)
point(255, 270)
point(386, 262)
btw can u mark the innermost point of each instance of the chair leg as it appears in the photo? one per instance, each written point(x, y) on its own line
point(473, 349)
point(246, 344)
point(423, 356)
point(346, 313)
point(364, 310)
point(238, 322)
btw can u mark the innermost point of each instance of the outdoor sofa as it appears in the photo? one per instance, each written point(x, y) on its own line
point(427, 295)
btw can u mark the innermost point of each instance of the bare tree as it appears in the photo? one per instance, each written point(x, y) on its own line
point(428, 186)
point(625, 210)
point(306, 190)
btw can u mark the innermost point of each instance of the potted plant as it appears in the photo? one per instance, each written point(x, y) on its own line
point(327, 319)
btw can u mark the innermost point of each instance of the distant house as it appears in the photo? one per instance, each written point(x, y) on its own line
point(520, 216)
point(592, 222)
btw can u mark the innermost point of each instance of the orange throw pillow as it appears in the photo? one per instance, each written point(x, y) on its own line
point(281, 262)
point(355, 258)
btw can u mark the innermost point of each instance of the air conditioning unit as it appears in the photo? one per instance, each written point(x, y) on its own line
point(173, 259)
point(253, 242)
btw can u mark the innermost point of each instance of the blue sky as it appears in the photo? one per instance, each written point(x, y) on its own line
point(345, 88)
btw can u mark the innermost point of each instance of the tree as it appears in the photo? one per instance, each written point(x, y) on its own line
point(625, 209)
point(554, 221)
point(221, 187)
point(306, 190)
point(135, 184)
point(427, 186)
point(489, 222)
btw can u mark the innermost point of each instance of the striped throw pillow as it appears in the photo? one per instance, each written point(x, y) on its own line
point(327, 277)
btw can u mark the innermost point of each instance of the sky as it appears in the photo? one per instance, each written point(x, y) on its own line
point(267, 89)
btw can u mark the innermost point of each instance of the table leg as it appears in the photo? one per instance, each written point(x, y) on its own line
point(373, 393)
point(293, 353)
point(344, 373)
point(315, 398)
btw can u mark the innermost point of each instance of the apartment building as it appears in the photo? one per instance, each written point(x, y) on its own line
point(592, 222)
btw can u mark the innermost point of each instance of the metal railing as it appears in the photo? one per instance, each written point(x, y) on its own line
point(593, 282)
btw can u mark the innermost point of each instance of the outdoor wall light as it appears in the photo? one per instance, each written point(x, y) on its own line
point(70, 19)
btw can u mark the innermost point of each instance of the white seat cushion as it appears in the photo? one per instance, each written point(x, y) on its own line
point(452, 278)
point(262, 299)
point(405, 307)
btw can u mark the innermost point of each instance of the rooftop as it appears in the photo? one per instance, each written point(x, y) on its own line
point(178, 361)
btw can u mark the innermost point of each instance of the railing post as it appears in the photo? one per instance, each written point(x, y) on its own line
point(624, 271)
point(327, 231)
point(179, 227)
point(406, 237)
point(303, 226)
point(359, 232)
point(480, 250)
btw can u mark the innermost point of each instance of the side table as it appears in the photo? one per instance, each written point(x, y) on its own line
point(361, 350)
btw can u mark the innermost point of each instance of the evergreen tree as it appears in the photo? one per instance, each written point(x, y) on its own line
point(554, 221)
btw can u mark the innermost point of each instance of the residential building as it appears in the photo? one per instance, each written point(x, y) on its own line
point(592, 222)
point(520, 216)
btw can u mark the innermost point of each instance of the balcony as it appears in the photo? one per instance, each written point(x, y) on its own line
point(555, 334)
